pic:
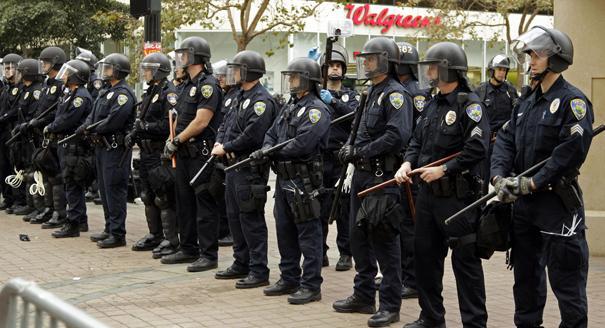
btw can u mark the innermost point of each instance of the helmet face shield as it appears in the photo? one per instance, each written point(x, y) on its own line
point(183, 57)
point(430, 73)
point(535, 40)
point(106, 71)
point(148, 71)
point(235, 74)
point(371, 65)
point(9, 70)
point(294, 82)
point(65, 72)
point(46, 65)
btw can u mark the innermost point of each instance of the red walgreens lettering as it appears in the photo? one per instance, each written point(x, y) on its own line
point(361, 15)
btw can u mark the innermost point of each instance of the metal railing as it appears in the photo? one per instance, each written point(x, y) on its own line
point(24, 304)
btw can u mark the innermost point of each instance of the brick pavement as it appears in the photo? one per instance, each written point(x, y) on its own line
point(129, 289)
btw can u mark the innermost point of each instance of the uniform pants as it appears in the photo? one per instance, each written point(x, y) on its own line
point(368, 247)
point(296, 239)
point(248, 226)
point(113, 186)
point(197, 215)
point(431, 248)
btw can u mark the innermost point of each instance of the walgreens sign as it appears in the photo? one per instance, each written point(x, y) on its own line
point(362, 15)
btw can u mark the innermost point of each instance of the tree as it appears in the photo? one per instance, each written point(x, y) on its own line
point(28, 26)
point(248, 19)
point(460, 18)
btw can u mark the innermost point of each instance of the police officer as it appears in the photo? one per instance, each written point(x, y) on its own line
point(555, 121)
point(305, 120)
point(9, 95)
point(23, 149)
point(150, 131)
point(341, 101)
point(75, 106)
point(95, 83)
point(114, 109)
point(199, 118)
point(219, 70)
point(454, 122)
point(250, 116)
point(54, 213)
point(498, 97)
point(385, 126)
point(407, 71)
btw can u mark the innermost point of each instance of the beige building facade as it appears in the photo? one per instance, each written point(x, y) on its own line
point(583, 21)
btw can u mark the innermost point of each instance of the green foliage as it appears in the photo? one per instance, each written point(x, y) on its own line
point(27, 27)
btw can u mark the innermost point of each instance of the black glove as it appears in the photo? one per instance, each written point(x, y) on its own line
point(258, 155)
point(81, 129)
point(139, 125)
point(129, 140)
point(347, 154)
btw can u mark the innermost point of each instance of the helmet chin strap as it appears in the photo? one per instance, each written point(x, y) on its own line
point(335, 77)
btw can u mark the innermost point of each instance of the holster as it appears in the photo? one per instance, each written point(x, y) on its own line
point(305, 207)
point(570, 193)
point(252, 198)
point(462, 185)
point(493, 233)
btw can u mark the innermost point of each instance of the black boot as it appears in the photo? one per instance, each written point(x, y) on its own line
point(383, 319)
point(179, 257)
point(31, 217)
point(147, 243)
point(353, 304)
point(408, 292)
point(422, 323)
point(95, 237)
point(345, 263)
point(226, 241)
point(112, 241)
point(231, 273)
point(280, 288)
point(83, 227)
point(202, 264)
point(69, 229)
point(304, 296)
point(251, 282)
point(55, 221)
point(42, 217)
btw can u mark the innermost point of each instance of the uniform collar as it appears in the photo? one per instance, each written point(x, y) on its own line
point(199, 77)
point(554, 90)
point(119, 84)
point(247, 94)
point(451, 98)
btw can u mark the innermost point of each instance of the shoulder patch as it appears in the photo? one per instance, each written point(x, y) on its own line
point(78, 102)
point(396, 99)
point(207, 91)
point(419, 103)
point(122, 99)
point(259, 108)
point(172, 98)
point(314, 115)
point(37, 94)
point(578, 107)
point(474, 112)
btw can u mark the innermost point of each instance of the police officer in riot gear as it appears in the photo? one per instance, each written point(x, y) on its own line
point(341, 101)
point(95, 84)
point(23, 149)
point(407, 71)
point(219, 70)
point(54, 213)
point(499, 97)
point(454, 122)
point(554, 120)
point(385, 126)
point(150, 131)
point(115, 108)
point(73, 109)
point(298, 166)
point(250, 116)
point(199, 118)
point(9, 94)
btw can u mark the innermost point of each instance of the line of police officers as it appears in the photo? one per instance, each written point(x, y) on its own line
point(415, 113)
